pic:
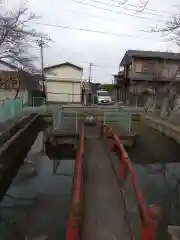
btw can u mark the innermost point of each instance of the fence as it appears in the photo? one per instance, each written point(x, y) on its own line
point(143, 221)
point(10, 108)
point(122, 118)
point(38, 101)
point(67, 118)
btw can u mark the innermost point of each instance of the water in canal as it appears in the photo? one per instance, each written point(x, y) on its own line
point(156, 160)
point(37, 202)
point(44, 211)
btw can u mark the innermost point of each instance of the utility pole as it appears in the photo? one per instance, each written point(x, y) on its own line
point(90, 71)
point(41, 44)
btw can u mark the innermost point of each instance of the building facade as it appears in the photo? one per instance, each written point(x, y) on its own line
point(147, 72)
point(63, 83)
point(16, 83)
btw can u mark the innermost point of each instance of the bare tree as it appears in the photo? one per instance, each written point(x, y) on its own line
point(137, 8)
point(16, 36)
point(171, 30)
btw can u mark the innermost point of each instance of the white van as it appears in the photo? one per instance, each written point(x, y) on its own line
point(102, 97)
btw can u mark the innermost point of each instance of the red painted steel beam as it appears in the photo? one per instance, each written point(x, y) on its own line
point(150, 223)
point(75, 212)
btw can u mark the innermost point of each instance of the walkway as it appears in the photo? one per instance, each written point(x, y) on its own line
point(104, 208)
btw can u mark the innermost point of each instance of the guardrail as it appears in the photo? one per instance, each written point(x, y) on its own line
point(76, 206)
point(148, 217)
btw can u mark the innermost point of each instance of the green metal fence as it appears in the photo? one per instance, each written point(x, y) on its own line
point(121, 118)
point(10, 108)
point(57, 118)
point(38, 101)
point(66, 120)
point(63, 118)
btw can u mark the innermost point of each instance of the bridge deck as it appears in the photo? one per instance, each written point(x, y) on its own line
point(104, 208)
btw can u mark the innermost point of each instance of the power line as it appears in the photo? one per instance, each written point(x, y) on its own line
point(134, 9)
point(150, 9)
point(92, 16)
point(95, 16)
point(114, 11)
point(95, 31)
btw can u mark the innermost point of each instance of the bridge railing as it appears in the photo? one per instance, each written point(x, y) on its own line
point(66, 117)
point(143, 221)
point(66, 120)
point(73, 230)
point(120, 117)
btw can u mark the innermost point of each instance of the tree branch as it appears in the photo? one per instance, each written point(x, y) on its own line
point(16, 37)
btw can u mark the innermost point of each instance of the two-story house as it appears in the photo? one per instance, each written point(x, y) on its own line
point(148, 70)
point(63, 83)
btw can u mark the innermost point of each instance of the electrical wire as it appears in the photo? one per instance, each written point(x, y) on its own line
point(150, 9)
point(96, 31)
point(134, 9)
point(92, 16)
point(114, 11)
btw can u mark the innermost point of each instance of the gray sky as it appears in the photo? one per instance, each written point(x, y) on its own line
point(105, 51)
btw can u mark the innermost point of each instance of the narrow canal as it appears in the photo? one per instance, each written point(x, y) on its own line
point(37, 201)
point(156, 160)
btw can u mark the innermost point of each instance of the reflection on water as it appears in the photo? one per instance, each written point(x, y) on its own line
point(37, 201)
point(156, 160)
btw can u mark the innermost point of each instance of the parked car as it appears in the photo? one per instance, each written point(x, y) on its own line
point(102, 97)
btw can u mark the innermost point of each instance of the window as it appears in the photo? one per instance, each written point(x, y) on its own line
point(103, 93)
point(148, 66)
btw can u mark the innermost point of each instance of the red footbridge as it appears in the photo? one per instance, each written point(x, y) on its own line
point(107, 201)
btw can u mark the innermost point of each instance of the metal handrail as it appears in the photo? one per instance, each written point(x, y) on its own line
point(149, 219)
point(75, 212)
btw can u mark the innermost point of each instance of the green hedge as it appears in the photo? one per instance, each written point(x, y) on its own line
point(108, 87)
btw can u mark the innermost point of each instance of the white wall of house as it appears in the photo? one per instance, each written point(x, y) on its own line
point(63, 84)
point(66, 73)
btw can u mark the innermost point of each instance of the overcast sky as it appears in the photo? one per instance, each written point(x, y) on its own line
point(105, 51)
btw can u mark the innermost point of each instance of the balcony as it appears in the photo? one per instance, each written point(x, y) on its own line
point(142, 76)
point(149, 76)
point(119, 79)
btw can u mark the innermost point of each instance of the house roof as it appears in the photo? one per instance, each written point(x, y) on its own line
point(148, 54)
point(8, 64)
point(63, 64)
